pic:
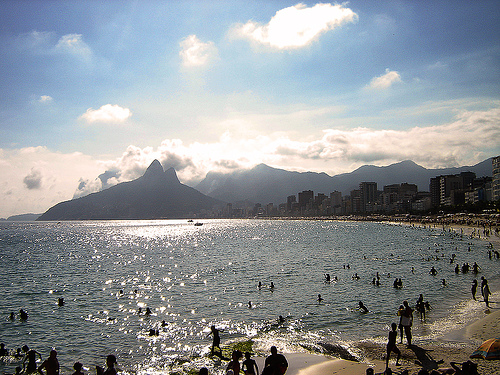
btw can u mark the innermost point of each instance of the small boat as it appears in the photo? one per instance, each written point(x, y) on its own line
point(198, 224)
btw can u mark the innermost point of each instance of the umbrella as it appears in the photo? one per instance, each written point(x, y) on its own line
point(490, 349)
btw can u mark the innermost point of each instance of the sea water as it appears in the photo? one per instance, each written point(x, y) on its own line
point(192, 277)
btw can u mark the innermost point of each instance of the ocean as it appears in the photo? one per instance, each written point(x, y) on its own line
point(192, 277)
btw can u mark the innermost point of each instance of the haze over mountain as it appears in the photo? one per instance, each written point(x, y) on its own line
point(264, 184)
point(157, 194)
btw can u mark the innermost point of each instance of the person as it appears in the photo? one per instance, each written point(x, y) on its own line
point(233, 367)
point(483, 282)
point(23, 314)
point(78, 368)
point(486, 293)
point(362, 307)
point(400, 314)
point(420, 306)
point(216, 340)
point(391, 345)
point(51, 364)
point(3, 351)
point(406, 321)
point(433, 271)
point(249, 365)
point(30, 356)
point(320, 298)
point(474, 288)
point(110, 363)
point(277, 363)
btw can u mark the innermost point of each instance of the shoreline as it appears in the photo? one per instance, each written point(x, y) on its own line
point(454, 346)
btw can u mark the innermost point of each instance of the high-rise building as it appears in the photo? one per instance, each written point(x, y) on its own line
point(368, 194)
point(495, 184)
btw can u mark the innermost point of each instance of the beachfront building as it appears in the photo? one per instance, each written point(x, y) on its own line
point(495, 183)
point(450, 190)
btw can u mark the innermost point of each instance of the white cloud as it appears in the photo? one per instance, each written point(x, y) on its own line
point(108, 113)
point(385, 80)
point(195, 53)
point(45, 99)
point(296, 26)
point(74, 44)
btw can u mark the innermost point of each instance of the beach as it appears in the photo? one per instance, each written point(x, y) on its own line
point(456, 346)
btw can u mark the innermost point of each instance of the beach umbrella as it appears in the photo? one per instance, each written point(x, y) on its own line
point(490, 349)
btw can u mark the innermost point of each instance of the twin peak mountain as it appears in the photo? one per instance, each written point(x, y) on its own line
point(157, 194)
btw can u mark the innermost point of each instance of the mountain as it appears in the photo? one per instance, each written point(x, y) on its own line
point(24, 217)
point(157, 194)
point(264, 184)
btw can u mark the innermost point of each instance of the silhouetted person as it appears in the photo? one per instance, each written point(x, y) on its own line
point(433, 271)
point(362, 307)
point(486, 293)
point(400, 326)
point(391, 345)
point(30, 356)
point(50, 365)
point(110, 364)
point(407, 321)
point(277, 362)
point(23, 314)
point(216, 340)
point(473, 289)
point(60, 302)
point(320, 298)
point(234, 364)
point(249, 365)
point(78, 368)
point(3, 351)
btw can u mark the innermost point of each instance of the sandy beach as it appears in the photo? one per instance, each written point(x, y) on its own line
point(430, 357)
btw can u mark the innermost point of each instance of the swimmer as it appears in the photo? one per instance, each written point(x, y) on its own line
point(249, 304)
point(433, 271)
point(281, 319)
point(148, 311)
point(78, 368)
point(319, 298)
point(60, 302)
point(23, 314)
point(362, 307)
point(272, 285)
point(3, 351)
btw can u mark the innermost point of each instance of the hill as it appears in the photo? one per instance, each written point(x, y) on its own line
point(264, 184)
point(157, 194)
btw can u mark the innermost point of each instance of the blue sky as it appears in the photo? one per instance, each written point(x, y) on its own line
point(107, 86)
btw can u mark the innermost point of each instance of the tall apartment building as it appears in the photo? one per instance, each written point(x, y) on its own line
point(450, 189)
point(495, 184)
point(368, 194)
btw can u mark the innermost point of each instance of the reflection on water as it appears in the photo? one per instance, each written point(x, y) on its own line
point(110, 273)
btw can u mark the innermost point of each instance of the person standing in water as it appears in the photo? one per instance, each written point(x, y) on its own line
point(473, 289)
point(216, 340)
point(30, 356)
point(406, 321)
point(391, 345)
point(51, 364)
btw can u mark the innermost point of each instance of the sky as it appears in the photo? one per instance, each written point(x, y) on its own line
point(91, 92)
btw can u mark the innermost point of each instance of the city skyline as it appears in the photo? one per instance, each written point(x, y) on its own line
point(324, 87)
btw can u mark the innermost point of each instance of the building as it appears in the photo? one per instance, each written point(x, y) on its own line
point(369, 194)
point(450, 190)
point(495, 184)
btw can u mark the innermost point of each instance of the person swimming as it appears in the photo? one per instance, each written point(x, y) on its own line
point(362, 307)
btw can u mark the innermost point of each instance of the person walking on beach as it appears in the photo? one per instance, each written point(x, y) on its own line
point(473, 289)
point(483, 283)
point(406, 321)
point(275, 364)
point(216, 340)
point(51, 364)
point(250, 366)
point(391, 345)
